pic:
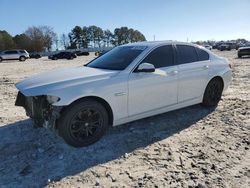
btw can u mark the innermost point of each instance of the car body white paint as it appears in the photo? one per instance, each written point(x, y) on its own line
point(132, 95)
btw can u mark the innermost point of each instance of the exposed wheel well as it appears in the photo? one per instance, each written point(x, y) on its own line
point(101, 101)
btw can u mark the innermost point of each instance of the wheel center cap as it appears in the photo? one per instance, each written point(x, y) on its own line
point(86, 124)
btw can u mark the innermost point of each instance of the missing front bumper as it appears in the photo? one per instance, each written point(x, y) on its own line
point(38, 108)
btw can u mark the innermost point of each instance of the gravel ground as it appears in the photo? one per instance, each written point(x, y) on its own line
point(190, 147)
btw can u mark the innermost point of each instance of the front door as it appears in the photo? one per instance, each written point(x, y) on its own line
point(155, 90)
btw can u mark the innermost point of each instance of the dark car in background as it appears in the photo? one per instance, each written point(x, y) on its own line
point(100, 53)
point(216, 45)
point(81, 53)
point(63, 55)
point(243, 51)
point(223, 47)
point(35, 55)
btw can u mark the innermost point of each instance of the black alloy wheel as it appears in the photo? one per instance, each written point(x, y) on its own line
point(213, 92)
point(83, 123)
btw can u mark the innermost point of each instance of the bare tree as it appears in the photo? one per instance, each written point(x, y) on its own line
point(64, 41)
point(42, 37)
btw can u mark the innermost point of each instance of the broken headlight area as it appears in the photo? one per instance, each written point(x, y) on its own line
point(52, 99)
point(40, 109)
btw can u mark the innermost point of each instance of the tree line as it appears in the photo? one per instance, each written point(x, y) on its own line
point(34, 39)
point(93, 36)
point(41, 38)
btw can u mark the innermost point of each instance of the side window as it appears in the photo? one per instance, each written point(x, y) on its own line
point(7, 52)
point(186, 54)
point(11, 52)
point(202, 55)
point(161, 57)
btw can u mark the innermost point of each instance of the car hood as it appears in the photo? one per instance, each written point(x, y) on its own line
point(50, 81)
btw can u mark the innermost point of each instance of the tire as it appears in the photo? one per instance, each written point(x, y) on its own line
point(83, 123)
point(213, 92)
point(239, 56)
point(1, 59)
point(22, 58)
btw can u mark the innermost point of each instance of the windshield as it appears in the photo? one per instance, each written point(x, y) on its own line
point(118, 58)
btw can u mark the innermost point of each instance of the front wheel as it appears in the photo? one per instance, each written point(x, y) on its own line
point(213, 92)
point(83, 123)
point(22, 58)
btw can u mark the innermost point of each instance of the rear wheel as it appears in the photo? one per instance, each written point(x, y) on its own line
point(213, 92)
point(83, 123)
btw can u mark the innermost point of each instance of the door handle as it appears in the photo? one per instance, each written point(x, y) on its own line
point(205, 67)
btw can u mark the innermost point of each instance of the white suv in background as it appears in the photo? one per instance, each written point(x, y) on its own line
point(20, 55)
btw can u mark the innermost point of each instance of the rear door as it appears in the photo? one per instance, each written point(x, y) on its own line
point(10, 54)
point(193, 67)
point(151, 91)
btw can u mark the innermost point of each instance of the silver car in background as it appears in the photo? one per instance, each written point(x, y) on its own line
point(20, 55)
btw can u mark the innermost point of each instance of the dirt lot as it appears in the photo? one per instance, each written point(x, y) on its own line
point(191, 147)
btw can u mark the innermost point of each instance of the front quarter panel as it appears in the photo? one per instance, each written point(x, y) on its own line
point(112, 90)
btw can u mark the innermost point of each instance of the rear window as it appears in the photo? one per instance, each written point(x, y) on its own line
point(186, 54)
point(202, 55)
point(22, 51)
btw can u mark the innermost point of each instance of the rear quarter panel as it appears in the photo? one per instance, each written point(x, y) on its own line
point(220, 67)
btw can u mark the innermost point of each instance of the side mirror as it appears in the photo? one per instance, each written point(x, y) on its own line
point(146, 67)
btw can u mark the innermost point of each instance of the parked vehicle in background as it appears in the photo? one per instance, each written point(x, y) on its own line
point(233, 45)
point(216, 45)
point(63, 55)
point(243, 51)
point(80, 53)
point(223, 47)
point(20, 55)
point(208, 47)
point(129, 82)
point(99, 53)
point(35, 55)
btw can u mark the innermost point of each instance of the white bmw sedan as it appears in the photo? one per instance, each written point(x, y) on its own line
point(130, 82)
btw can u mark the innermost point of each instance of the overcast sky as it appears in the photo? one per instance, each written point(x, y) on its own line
point(164, 19)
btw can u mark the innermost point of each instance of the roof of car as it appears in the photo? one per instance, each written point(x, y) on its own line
point(245, 47)
point(157, 43)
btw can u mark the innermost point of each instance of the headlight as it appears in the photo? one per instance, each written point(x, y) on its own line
point(52, 99)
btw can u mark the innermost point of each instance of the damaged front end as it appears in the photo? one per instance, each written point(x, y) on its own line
point(40, 109)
